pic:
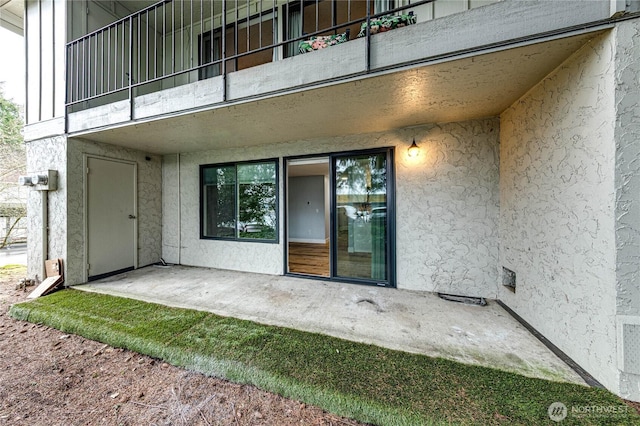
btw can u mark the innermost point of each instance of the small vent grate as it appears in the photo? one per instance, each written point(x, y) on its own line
point(509, 279)
point(631, 351)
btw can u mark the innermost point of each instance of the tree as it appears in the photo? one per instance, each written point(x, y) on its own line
point(12, 164)
point(257, 199)
point(10, 122)
point(359, 179)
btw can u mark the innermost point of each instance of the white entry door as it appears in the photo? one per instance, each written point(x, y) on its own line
point(111, 217)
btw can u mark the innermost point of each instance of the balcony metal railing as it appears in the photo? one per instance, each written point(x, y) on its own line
point(176, 42)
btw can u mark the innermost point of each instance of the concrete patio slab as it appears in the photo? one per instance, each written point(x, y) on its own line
point(404, 320)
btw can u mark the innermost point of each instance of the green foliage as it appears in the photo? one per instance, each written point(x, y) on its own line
point(12, 164)
point(257, 193)
point(257, 203)
point(10, 122)
point(365, 382)
point(253, 187)
point(362, 176)
point(12, 269)
point(12, 152)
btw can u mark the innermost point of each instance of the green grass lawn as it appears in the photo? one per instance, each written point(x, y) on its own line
point(11, 274)
point(356, 380)
point(11, 270)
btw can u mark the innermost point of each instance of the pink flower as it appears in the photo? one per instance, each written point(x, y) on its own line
point(318, 44)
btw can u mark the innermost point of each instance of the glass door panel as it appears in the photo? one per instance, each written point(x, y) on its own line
point(361, 226)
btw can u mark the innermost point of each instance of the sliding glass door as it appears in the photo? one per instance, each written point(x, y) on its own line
point(361, 249)
point(353, 240)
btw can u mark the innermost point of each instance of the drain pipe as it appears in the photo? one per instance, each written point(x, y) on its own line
point(44, 182)
point(179, 213)
point(44, 195)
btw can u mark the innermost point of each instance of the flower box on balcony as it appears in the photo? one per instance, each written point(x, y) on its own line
point(387, 23)
point(320, 42)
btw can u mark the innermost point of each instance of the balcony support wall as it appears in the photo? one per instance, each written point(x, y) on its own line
point(557, 208)
point(627, 139)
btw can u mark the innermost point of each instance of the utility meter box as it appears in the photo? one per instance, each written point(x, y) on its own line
point(41, 181)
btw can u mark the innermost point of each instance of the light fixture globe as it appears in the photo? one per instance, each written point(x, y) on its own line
point(414, 149)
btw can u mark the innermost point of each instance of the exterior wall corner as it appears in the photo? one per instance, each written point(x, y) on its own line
point(627, 204)
point(47, 154)
point(557, 206)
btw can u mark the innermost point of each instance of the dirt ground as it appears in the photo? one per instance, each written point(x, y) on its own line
point(51, 378)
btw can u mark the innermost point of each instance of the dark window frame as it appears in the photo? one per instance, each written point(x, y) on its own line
point(235, 164)
point(391, 281)
point(205, 39)
point(299, 6)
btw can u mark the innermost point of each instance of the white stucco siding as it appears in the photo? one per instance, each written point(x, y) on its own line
point(149, 198)
point(447, 206)
point(246, 256)
point(448, 210)
point(557, 200)
point(170, 210)
point(42, 155)
point(628, 168)
point(627, 135)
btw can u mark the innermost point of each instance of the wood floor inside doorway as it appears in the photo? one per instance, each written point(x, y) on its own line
point(312, 259)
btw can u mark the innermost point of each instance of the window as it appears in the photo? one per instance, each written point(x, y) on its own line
point(353, 239)
point(256, 33)
point(239, 201)
point(306, 17)
point(380, 6)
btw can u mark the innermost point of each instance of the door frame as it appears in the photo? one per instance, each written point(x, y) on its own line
point(391, 216)
point(85, 209)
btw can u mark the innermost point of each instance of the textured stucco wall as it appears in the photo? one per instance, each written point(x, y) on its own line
point(42, 155)
point(627, 137)
point(447, 206)
point(149, 203)
point(557, 204)
point(170, 211)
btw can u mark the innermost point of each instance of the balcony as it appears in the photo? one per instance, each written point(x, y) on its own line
point(177, 42)
point(211, 45)
point(172, 64)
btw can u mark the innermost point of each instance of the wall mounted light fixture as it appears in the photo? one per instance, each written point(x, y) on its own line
point(414, 149)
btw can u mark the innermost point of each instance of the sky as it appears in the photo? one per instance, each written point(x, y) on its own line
point(12, 71)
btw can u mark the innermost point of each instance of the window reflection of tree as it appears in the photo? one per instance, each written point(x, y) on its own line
point(257, 198)
point(240, 201)
point(361, 185)
point(362, 180)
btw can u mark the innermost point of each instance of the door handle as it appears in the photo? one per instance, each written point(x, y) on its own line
point(131, 216)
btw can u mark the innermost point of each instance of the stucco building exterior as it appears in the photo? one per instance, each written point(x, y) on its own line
point(526, 187)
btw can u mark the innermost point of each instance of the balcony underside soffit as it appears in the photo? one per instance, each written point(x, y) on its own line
point(474, 87)
point(11, 15)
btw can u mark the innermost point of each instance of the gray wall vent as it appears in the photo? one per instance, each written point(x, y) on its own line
point(509, 279)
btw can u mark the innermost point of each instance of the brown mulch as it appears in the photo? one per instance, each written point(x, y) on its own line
point(51, 378)
point(634, 405)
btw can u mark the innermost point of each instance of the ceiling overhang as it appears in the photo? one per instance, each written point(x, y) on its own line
point(470, 88)
point(12, 15)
